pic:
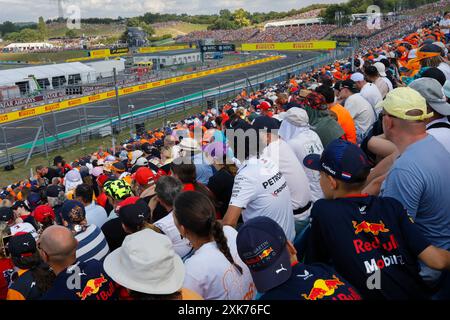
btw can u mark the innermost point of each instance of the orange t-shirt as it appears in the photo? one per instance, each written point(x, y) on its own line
point(345, 120)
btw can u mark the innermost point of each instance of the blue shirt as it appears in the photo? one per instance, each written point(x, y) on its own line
point(420, 180)
point(83, 281)
point(365, 238)
point(203, 170)
point(312, 282)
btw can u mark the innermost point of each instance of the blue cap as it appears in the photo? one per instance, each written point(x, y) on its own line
point(73, 212)
point(342, 160)
point(261, 244)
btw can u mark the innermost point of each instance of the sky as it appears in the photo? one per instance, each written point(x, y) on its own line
point(30, 10)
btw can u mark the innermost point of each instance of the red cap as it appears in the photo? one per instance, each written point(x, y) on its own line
point(265, 106)
point(42, 212)
point(102, 179)
point(144, 176)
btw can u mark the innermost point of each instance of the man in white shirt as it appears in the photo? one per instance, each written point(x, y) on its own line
point(360, 109)
point(369, 91)
point(95, 214)
point(438, 125)
point(291, 168)
point(166, 190)
point(445, 25)
point(295, 130)
point(260, 189)
point(381, 68)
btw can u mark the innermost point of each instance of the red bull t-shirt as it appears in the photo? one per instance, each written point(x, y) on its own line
point(83, 281)
point(371, 242)
point(313, 282)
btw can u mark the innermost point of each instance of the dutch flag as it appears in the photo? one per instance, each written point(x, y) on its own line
point(346, 175)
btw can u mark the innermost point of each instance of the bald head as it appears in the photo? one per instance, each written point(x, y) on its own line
point(59, 244)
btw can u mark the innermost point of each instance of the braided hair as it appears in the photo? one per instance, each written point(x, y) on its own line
point(196, 212)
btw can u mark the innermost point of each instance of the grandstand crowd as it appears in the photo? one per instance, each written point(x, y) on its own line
point(332, 185)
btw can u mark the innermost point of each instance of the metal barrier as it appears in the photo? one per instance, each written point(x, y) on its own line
point(42, 137)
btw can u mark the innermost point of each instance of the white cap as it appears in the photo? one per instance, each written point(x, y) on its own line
point(357, 77)
point(297, 117)
point(141, 162)
point(381, 68)
point(135, 155)
point(24, 227)
point(146, 263)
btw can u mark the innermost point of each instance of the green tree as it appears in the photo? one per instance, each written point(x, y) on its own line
point(225, 14)
point(70, 33)
point(223, 24)
point(42, 29)
point(241, 17)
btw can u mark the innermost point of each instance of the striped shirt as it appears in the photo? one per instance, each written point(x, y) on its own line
point(91, 244)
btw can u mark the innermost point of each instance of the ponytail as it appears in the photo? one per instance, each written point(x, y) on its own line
point(221, 241)
point(196, 212)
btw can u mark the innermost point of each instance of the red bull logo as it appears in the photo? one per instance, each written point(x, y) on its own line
point(369, 227)
point(265, 253)
point(323, 288)
point(92, 287)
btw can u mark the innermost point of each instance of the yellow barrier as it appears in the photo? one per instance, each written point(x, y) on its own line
point(57, 106)
point(158, 49)
point(284, 46)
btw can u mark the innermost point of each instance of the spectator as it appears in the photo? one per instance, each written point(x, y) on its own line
point(61, 164)
point(296, 131)
point(375, 78)
point(368, 91)
point(381, 68)
point(57, 247)
point(227, 278)
point(221, 183)
point(22, 212)
point(320, 118)
point(280, 153)
point(91, 241)
point(71, 181)
point(259, 188)
point(416, 178)
point(438, 125)
point(95, 214)
point(191, 148)
point(116, 191)
point(47, 174)
point(32, 278)
point(278, 275)
point(362, 235)
point(147, 266)
point(55, 199)
point(44, 216)
point(362, 112)
point(344, 118)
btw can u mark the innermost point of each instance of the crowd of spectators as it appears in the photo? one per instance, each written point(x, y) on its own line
point(303, 190)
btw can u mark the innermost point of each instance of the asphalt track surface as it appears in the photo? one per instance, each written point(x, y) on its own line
point(24, 131)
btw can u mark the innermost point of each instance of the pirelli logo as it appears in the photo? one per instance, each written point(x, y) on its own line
point(94, 98)
point(25, 113)
point(74, 102)
point(52, 107)
point(4, 117)
point(128, 90)
point(265, 46)
point(143, 87)
point(110, 94)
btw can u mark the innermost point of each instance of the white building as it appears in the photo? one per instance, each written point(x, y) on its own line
point(50, 76)
point(170, 58)
point(104, 68)
point(30, 46)
point(293, 23)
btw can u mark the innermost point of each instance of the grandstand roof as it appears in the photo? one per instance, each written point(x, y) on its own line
point(11, 76)
point(292, 22)
point(29, 44)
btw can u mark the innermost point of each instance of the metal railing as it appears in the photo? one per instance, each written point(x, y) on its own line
point(46, 137)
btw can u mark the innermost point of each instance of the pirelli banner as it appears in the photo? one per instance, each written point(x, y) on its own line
point(57, 106)
point(159, 49)
point(290, 46)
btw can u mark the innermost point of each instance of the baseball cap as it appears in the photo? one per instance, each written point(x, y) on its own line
point(42, 212)
point(73, 212)
point(22, 245)
point(141, 162)
point(433, 73)
point(6, 214)
point(133, 212)
point(433, 93)
point(118, 167)
point(264, 106)
point(152, 269)
point(146, 147)
point(144, 176)
point(135, 155)
point(381, 68)
point(349, 84)
point(118, 189)
point(357, 76)
point(400, 101)
point(342, 160)
point(97, 171)
point(297, 117)
point(24, 227)
point(261, 245)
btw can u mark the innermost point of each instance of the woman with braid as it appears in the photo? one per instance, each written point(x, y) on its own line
point(215, 270)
